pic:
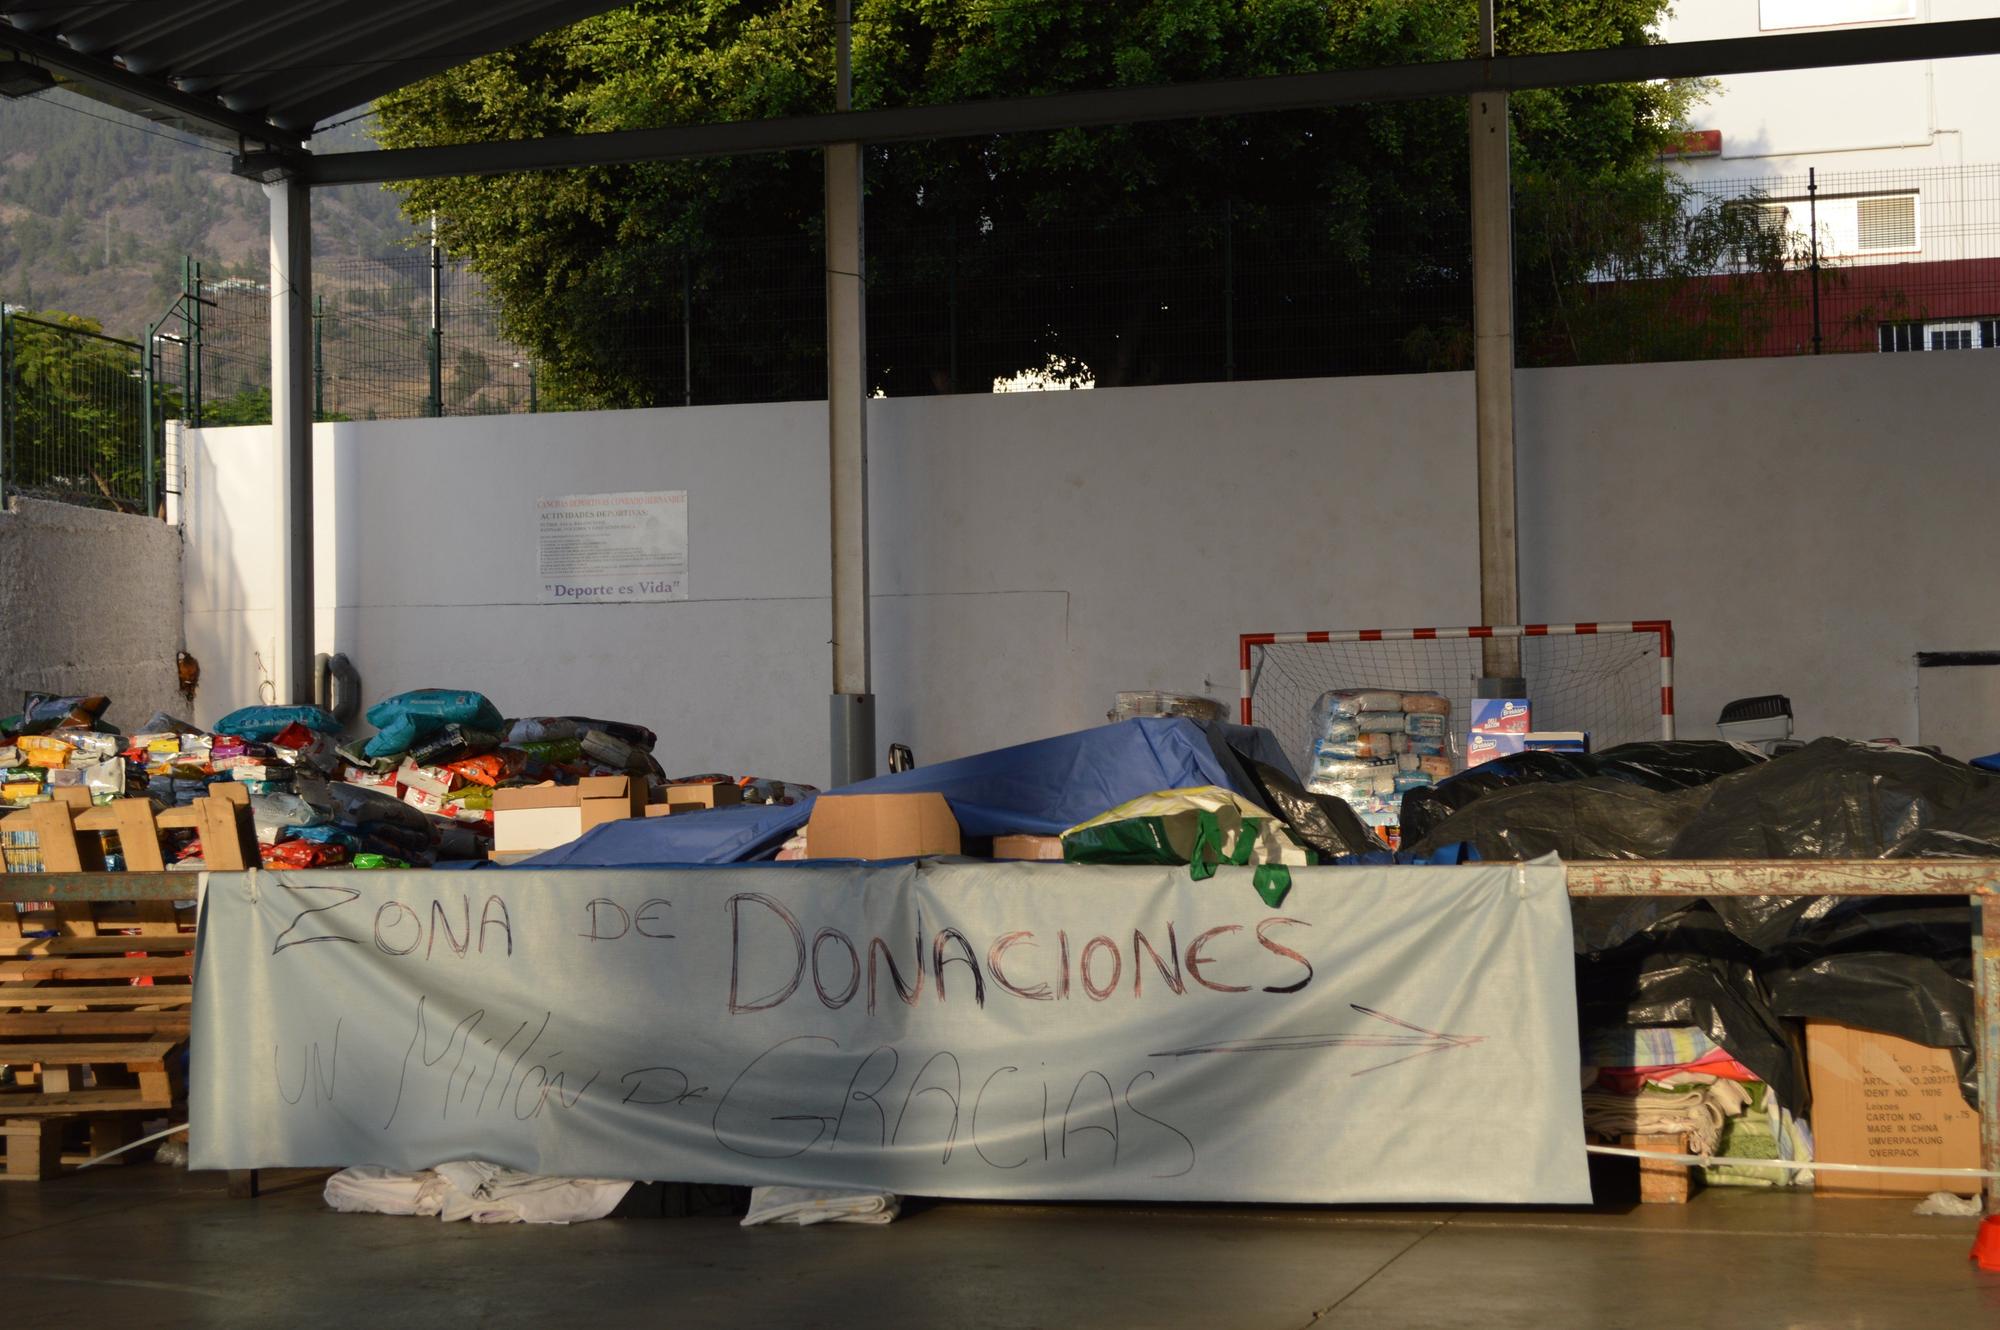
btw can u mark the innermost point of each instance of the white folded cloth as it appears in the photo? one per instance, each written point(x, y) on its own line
point(813, 1205)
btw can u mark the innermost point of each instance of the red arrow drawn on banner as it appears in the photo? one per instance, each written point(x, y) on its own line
point(1420, 1042)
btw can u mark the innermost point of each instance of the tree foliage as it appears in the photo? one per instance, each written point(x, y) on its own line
point(1136, 253)
point(76, 412)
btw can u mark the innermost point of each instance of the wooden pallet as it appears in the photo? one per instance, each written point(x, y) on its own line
point(69, 830)
point(70, 1002)
point(36, 1149)
point(1662, 1182)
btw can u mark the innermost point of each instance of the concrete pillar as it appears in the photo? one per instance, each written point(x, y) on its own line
point(1493, 373)
point(853, 702)
point(291, 432)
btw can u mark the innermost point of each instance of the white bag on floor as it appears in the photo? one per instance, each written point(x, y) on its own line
point(469, 1189)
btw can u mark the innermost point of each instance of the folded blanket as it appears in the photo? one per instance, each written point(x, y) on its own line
point(1695, 1111)
point(812, 1205)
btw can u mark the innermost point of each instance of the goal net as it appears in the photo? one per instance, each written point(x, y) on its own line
point(1613, 681)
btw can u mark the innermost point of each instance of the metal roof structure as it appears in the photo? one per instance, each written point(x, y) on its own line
point(264, 71)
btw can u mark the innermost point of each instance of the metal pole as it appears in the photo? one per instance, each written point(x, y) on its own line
point(198, 321)
point(437, 322)
point(146, 356)
point(1986, 977)
point(1229, 289)
point(687, 333)
point(188, 305)
point(1493, 376)
point(951, 307)
point(1812, 212)
point(292, 432)
point(852, 709)
point(319, 357)
point(6, 400)
point(533, 404)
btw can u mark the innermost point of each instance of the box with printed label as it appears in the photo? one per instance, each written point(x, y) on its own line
point(1501, 715)
point(1485, 747)
point(1880, 1100)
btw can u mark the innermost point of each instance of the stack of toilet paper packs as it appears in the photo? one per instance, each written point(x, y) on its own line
point(1372, 745)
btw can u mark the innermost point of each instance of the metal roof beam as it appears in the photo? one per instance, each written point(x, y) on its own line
point(153, 98)
point(1340, 87)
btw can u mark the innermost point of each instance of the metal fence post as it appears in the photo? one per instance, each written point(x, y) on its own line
point(6, 400)
point(187, 302)
point(436, 341)
point(951, 306)
point(146, 377)
point(192, 407)
point(533, 404)
point(687, 333)
point(319, 358)
point(1812, 212)
point(1228, 289)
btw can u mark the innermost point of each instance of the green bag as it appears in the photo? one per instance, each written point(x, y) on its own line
point(1204, 827)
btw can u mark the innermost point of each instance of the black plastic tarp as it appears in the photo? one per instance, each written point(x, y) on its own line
point(1745, 970)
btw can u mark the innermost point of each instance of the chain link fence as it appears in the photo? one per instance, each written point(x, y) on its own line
point(80, 415)
point(1715, 268)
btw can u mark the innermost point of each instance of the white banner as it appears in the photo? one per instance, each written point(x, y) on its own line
point(983, 1030)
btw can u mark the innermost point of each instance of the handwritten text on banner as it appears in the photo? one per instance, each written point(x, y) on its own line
point(986, 1030)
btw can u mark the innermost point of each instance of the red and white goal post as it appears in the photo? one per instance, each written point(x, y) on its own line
point(1614, 681)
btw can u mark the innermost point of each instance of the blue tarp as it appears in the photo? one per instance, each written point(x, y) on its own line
point(1991, 762)
point(1039, 788)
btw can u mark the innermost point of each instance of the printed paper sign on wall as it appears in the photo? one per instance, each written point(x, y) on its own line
point(612, 547)
point(999, 1030)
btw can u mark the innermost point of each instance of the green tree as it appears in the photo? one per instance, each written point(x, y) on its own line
point(247, 406)
point(1020, 242)
point(77, 412)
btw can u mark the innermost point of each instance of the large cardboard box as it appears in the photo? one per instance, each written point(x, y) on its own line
point(541, 817)
point(880, 826)
point(1881, 1100)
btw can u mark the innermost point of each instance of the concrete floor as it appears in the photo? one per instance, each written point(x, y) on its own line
point(157, 1247)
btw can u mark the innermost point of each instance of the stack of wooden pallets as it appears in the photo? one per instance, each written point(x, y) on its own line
point(95, 996)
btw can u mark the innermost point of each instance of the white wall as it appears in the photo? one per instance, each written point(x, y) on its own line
point(434, 583)
point(90, 602)
point(1034, 554)
point(1806, 523)
point(1809, 524)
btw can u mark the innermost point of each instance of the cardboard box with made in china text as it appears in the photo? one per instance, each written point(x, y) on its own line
point(1882, 1100)
point(880, 826)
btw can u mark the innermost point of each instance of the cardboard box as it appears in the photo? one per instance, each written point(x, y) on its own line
point(1880, 1100)
point(1039, 848)
point(541, 817)
point(1502, 715)
point(696, 798)
point(1556, 741)
point(880, 826)
point(1485, 747)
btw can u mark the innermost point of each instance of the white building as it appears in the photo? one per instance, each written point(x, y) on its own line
point(1906, 159)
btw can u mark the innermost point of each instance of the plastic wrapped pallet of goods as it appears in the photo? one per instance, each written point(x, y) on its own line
point(1148, 703)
